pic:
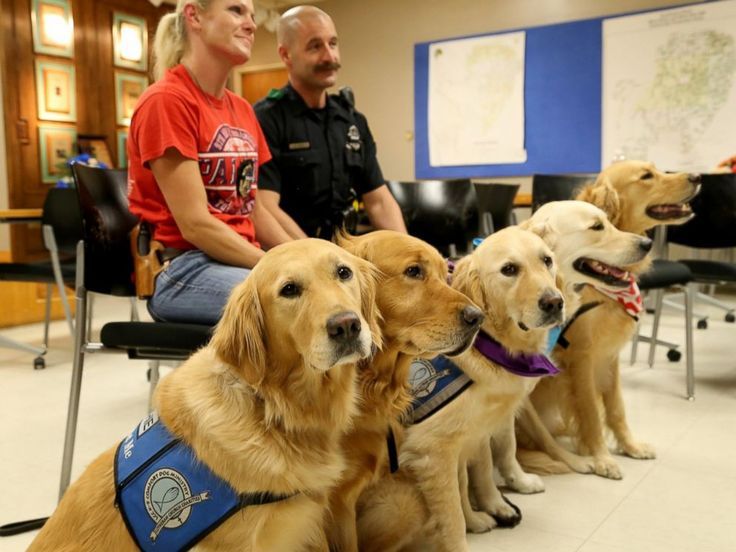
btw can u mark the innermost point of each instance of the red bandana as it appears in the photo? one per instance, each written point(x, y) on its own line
point(630, 298)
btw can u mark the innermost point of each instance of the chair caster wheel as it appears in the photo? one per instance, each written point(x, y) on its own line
point(730, 317)
point(702, 324)
point(39, 363)
point(673, 355)
point(650, 311)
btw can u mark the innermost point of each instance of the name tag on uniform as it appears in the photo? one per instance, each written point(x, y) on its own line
point(299, 146)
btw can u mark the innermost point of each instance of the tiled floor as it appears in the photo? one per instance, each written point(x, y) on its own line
point(685, 500)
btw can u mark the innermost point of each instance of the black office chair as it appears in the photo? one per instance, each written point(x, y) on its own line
point(713, 227)
point(105, 265)
point(61, 226)
point(556, 187)
point(441, 212)
point(495, 206)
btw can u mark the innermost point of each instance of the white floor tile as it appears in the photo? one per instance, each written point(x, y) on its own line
point(681, 501)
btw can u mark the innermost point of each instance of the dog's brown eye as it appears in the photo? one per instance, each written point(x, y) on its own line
point(290, 290)
point(414, 271)
point(509, 269)
point(547, 261)
point(597, 227)
point(344, 273)
point(647, 176)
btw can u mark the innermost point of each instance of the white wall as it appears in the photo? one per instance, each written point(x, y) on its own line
point(377, 40)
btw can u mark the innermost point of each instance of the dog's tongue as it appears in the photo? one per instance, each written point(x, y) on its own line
point(603, 268)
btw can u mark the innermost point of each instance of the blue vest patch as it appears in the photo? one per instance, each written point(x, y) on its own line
point(434, 384)
point(169, 500)
point(552, 337)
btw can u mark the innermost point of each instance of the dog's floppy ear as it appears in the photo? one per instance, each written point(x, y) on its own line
point(544, 230)
point(368, 278)
point(602, 194)
point(466, 280)
point(240, 336)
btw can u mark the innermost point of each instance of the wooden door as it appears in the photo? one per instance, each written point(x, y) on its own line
point(256, 84)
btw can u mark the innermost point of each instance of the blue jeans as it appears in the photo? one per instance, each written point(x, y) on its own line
point(194, 288)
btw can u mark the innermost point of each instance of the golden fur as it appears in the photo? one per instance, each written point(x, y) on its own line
point(511, 276)
point(421, 316)
point(263, 405)
point(589, 250)
point(636, 197)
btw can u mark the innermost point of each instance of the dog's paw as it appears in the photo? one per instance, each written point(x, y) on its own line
point(506, 513)
point(526, 483)
point(479, 522)
point(641, 451)
point(582, 464)
point(606, 466)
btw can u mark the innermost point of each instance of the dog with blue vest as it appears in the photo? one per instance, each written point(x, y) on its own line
point(421, 316)
point(244, 446)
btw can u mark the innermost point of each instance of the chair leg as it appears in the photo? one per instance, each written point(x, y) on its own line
point(74, 392)
point(689, 353)
point(47, 320)
point(635, 344)
point(153, 367)
point(90, 303)
point(134, 316)
point(705, 298)
point(658, 297)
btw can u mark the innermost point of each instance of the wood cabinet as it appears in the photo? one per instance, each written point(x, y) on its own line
point(95, 94)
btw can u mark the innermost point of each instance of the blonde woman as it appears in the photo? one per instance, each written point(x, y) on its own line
point(195, 150)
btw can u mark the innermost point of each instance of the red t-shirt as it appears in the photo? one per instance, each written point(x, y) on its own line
point(223, 136)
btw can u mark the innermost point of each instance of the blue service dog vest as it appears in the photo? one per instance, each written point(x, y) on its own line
point(169, 500)
point(434, 384)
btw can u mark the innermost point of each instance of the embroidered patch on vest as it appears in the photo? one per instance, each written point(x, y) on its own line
point(434, 384)
point(169, 500)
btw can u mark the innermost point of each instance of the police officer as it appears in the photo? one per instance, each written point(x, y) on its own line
point(324, 156)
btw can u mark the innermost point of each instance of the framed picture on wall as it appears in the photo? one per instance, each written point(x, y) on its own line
point(57, 144)
point(56, 91)
point(96, 146)
point(128, 88)
point(53, 27)
point(129, 41)
point(122, 149)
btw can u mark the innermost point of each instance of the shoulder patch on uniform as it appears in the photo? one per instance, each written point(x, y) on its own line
point(275, 94)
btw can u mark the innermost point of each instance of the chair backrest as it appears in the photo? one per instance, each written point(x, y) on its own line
point(103, 202)
point(496, 200)
point(61, 212)
point(714, 224)
point(556, 187)
point(441, 212)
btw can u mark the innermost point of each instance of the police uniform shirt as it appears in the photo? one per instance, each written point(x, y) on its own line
point(320, 156)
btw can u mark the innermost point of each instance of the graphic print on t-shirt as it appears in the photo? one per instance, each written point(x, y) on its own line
point(229, 169)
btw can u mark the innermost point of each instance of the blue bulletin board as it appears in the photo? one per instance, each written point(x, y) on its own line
point(562, 101)
point(562, 104)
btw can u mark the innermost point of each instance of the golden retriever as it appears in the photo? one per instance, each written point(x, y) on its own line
point(636, 197)
point(511, 276)
point(264, 406)
point(421, 316)
point(588, 250)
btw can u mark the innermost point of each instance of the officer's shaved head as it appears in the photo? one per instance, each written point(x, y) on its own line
point(293, 19)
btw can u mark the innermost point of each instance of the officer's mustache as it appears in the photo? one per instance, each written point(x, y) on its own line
point(327, 66)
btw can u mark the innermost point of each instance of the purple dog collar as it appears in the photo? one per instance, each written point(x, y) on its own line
point(529, 366)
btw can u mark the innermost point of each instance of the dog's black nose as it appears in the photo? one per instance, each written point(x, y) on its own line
point(646, 244)
point(472, 316)
point(550, 303)
point(343, 326)
point(694, 178)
